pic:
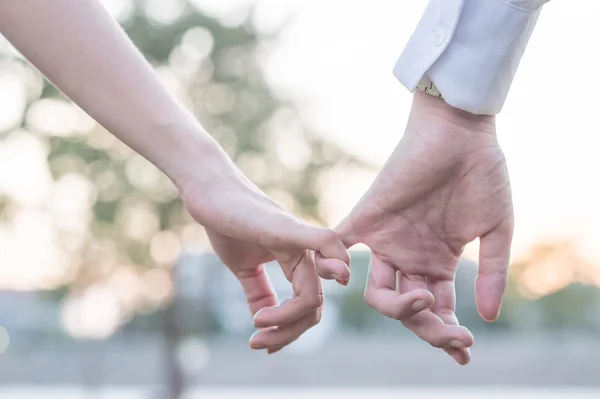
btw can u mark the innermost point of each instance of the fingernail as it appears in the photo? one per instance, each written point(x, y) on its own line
point(455, 343)
point(252, 337)
point(419, 305)
point(340, 280)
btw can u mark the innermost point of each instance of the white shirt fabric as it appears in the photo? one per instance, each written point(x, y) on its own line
point(470, 49)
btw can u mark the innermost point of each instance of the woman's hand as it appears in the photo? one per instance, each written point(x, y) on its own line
point(247, 229)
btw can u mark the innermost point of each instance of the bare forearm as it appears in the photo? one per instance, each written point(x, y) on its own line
point(86, 54)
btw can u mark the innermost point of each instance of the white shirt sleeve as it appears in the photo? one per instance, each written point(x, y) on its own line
point(470, 49)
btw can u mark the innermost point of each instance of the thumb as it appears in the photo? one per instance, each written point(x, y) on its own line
point(332, 269)
point(492, 276)
point(347, 233)
point(331, 256)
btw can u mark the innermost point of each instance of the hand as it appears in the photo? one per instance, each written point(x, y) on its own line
point(247, 229)
point(445, 185)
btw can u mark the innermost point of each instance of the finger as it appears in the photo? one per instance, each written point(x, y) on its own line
point(276, 338)
point(492, 276)
point(397, 306)
point(408, 283)
point(381, 294)
point(289, 311)
point(332, 269)
point(460, 356)
point(285, 232)
point(332, 257)
point(321, 240)
point(444, 307)
point(257, 288)
point(432, 329)
point(347, 233)
point(256, 333)
point(308, 296)
point(427, 325)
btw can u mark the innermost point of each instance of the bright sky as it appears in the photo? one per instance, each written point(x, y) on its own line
point(336, 59)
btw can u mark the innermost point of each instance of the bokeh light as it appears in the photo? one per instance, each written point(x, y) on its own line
point(96, 314)
point(91, 233)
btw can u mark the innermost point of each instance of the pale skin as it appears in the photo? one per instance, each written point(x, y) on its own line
point(445, 185)
point(86, 54)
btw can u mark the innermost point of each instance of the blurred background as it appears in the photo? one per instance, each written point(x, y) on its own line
point(108, 289)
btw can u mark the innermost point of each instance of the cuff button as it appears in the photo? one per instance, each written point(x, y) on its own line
point(439, 35)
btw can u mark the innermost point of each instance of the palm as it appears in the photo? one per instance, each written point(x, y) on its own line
point(427, 236)
point(240, 256)
point(439, 191)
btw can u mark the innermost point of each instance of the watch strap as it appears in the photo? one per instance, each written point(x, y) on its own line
point(427, 86)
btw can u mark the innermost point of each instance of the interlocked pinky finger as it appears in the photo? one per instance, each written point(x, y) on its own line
point(397, 306)
point(382, 296)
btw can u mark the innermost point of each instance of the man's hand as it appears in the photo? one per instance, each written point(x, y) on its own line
point(445, 185)
point(247, 229)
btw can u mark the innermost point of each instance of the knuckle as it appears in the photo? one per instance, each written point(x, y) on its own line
point(436, 342)
point(330, 238)
point(398, 314)
point(316, 318)
point(369, 300)
point(315, 302)
point(445, 311)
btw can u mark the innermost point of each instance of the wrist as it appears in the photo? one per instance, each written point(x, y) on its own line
point(192, 155)
point(446, 134)
point(428, 107)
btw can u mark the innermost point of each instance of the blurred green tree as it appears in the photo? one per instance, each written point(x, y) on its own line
point(131, 224)
point(136, 218)
point(572, 309)
point(563, 285)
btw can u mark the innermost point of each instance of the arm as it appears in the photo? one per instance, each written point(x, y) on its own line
point(84, 52)
point(78, 46)
point(446, 184)
point(470, 50)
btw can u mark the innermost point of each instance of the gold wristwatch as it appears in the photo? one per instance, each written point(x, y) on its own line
point(426, 85)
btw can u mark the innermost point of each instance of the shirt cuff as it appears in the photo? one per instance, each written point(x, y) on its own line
point(470, 49)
